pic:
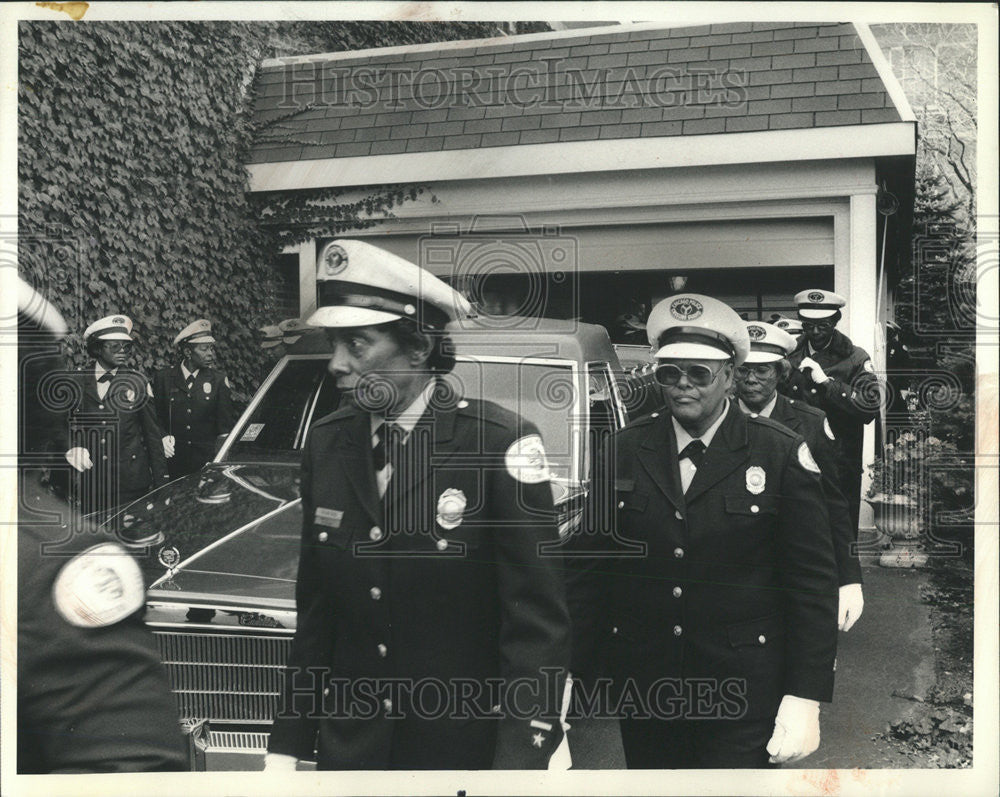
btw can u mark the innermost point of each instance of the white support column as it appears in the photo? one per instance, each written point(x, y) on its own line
point(307, 278)
point(861, 292)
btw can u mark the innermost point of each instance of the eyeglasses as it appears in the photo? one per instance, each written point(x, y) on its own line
point(817, 325)
point(115, 345)
point(698, 375)
point(761, 371)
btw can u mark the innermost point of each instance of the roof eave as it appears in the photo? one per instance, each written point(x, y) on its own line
point(822, 143)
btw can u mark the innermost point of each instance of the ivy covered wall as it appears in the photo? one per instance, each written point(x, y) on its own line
point(132, 187)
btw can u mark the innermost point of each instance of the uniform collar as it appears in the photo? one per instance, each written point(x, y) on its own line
point(683, 438)
point(188, 374)
point(767, 409)
point(408, 418)
point(100, 370)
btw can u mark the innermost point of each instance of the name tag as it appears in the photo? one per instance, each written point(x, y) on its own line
point(328, 517)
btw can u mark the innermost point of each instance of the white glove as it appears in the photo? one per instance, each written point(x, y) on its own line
point(817, 373)
point(851, 605)
point(168, 446)
point(279, 762)
point(79, 458)
point(796, 730)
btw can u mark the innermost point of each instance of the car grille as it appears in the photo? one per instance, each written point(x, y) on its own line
point(224, 677)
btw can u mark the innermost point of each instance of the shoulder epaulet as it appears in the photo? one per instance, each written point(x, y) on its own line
point(647, 419)
point(762, 421)
point(337, 415)
point(804, 408)
point(488, 411)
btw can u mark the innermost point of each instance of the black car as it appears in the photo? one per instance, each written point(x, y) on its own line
point(220, 547)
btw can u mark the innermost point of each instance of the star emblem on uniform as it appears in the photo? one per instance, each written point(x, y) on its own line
point(537, 739)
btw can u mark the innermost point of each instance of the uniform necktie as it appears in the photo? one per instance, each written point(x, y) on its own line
point(105, 377)
point(388, 439)
point(694, 451)
point(378, 448)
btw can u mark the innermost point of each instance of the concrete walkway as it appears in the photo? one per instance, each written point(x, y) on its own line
point(889, 650)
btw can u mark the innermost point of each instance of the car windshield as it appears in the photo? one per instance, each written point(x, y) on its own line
point(546, 394)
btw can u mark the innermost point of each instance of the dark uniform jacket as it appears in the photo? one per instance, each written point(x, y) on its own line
point(466, 597)
point(850, 398)
point(89, 699)
point(737, 581)
point(123, 437)
point(194, 417)
point(812, 425)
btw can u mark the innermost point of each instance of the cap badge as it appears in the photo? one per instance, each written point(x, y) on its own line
point(779, 325)
point(451, 506)
point(756, 479)
point(118, 320)
point(334, 259)
point(207, 387)
point(686, 309)
point(168, 556)
point(756, 332)
point(816, 297)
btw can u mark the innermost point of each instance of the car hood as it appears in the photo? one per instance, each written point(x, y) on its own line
point(224, 526)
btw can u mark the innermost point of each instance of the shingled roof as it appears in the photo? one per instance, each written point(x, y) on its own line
point(617, 84)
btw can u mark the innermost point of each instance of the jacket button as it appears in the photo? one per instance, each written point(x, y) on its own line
point(755, 509)
point(621, 504)
point(677, 592)
point(189, 410)
point(133, 456)
point(187, 427)
point(678, 553)
point(812, 390)
point(383, 651)
point(678, 630)
point(678, 515)
point(762, 639)
point(843, 395)
point(376, 593)
point(753, 414)
point(326, 691)
point(100, 406)
point(614, 630)
point(442, 545)
point(387, 704)
point(104, 457)
point(323, 536)
point(103, 441)
point(375, 534)
point(495, 709)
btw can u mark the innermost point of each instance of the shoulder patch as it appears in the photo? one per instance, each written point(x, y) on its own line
point(99, 587)
point(828, 430)
point(869, 367)
point(806, 459)
point(525, 460)
point(149, 389)
point(228, 384)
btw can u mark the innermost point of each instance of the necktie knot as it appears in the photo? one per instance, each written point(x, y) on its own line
point(694, 451)
point(105, 377)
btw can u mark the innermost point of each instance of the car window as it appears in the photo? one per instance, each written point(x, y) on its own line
point(544, 394)
point(299, 394)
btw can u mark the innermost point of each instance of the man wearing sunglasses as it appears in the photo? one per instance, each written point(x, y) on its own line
point(116, 443)
point(831, 373)
point(723, 628)
point(757, 383)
